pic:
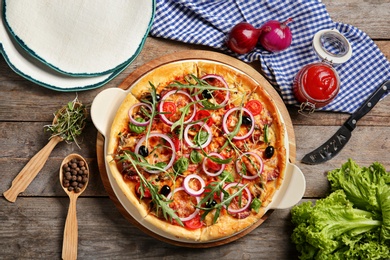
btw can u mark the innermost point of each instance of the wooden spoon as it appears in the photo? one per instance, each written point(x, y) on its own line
point(70, 241)
point(36, 163)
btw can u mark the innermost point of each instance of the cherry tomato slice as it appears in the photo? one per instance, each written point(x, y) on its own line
point(194, 223)
point(213, 165)
point(176, 143)
point(170, 108)
point(254, 106)
point(147, 194)
point(201, 114)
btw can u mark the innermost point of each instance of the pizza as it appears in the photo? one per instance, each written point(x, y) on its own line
point(198, 148)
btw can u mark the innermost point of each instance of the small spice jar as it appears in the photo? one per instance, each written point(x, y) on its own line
point(317, 84)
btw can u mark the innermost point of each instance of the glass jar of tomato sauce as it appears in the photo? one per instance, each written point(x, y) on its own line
point(317, 84)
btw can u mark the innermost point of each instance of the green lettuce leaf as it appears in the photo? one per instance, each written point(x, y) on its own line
point(353, 222)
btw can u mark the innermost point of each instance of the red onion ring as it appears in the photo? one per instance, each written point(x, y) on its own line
point(188, 189)
point(190, 143)
point(211, 173)
point(168, 139)
point(160, 107)
point(130, 113)
point(193, 214)
point(258, 159)
point(249, 199)
point(221, 79)
point(225, 127)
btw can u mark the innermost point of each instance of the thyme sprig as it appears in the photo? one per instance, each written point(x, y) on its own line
point(69, 122)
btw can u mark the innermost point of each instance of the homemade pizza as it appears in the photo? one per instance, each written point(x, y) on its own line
point(199, 149)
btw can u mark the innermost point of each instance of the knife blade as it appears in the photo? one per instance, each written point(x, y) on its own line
point(335, 144)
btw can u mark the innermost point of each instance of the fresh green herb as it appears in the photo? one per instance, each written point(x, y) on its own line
point(217, 188)
point(266, 134)
point(137, 129)
point(153, 103)
point(256, 204)
point(161, 165)
point(159, 200)
point(219, 160)
point(228, 176)
point(195, 156)
point(234, 133)
point(353, 222)
point(198, 86)
point(184, 111)
point(201, 137)
point(243, 168)
point(181, 165)
point(69, 122)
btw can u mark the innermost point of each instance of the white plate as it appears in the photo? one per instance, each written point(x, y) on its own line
point(103, 111)
point(80, 37)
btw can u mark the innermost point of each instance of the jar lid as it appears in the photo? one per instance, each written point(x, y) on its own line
point(332, 46)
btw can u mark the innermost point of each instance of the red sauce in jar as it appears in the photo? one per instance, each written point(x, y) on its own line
point(317, 83)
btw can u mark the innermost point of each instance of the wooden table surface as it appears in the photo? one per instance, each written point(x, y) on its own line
point(32, 227)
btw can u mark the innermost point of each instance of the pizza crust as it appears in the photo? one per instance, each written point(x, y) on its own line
point(226, 225)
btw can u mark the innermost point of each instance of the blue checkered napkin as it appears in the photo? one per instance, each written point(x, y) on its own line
point(208, 23)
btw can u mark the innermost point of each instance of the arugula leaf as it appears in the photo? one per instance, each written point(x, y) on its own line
point(195, 156)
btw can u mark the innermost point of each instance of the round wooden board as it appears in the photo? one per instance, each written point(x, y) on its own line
point(195, 55)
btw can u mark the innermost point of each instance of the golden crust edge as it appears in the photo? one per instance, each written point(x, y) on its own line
point(172, 71)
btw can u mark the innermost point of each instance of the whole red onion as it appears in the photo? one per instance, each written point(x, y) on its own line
point(243, 38)
point(275, 36)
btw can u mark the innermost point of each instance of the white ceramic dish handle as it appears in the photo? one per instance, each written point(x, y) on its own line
point(292, 189)
point(104, 107)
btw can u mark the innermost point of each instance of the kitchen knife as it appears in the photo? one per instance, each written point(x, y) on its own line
point(334, 145)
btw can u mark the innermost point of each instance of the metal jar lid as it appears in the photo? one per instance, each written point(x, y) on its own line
point(330, 45)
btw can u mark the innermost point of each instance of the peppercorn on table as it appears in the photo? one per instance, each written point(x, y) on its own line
point(32, 227)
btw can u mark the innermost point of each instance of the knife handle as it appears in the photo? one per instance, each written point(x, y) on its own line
point(367, 105)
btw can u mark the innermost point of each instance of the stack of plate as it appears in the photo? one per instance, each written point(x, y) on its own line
point(73, 45)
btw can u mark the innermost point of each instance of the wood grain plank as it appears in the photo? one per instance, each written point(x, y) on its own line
point(33, 228)
point(21, 100)
point(370, 16)
point(375, 139)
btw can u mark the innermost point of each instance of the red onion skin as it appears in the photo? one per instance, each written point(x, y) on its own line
point(168, 139)
point(275, 36)
point(243, 38)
